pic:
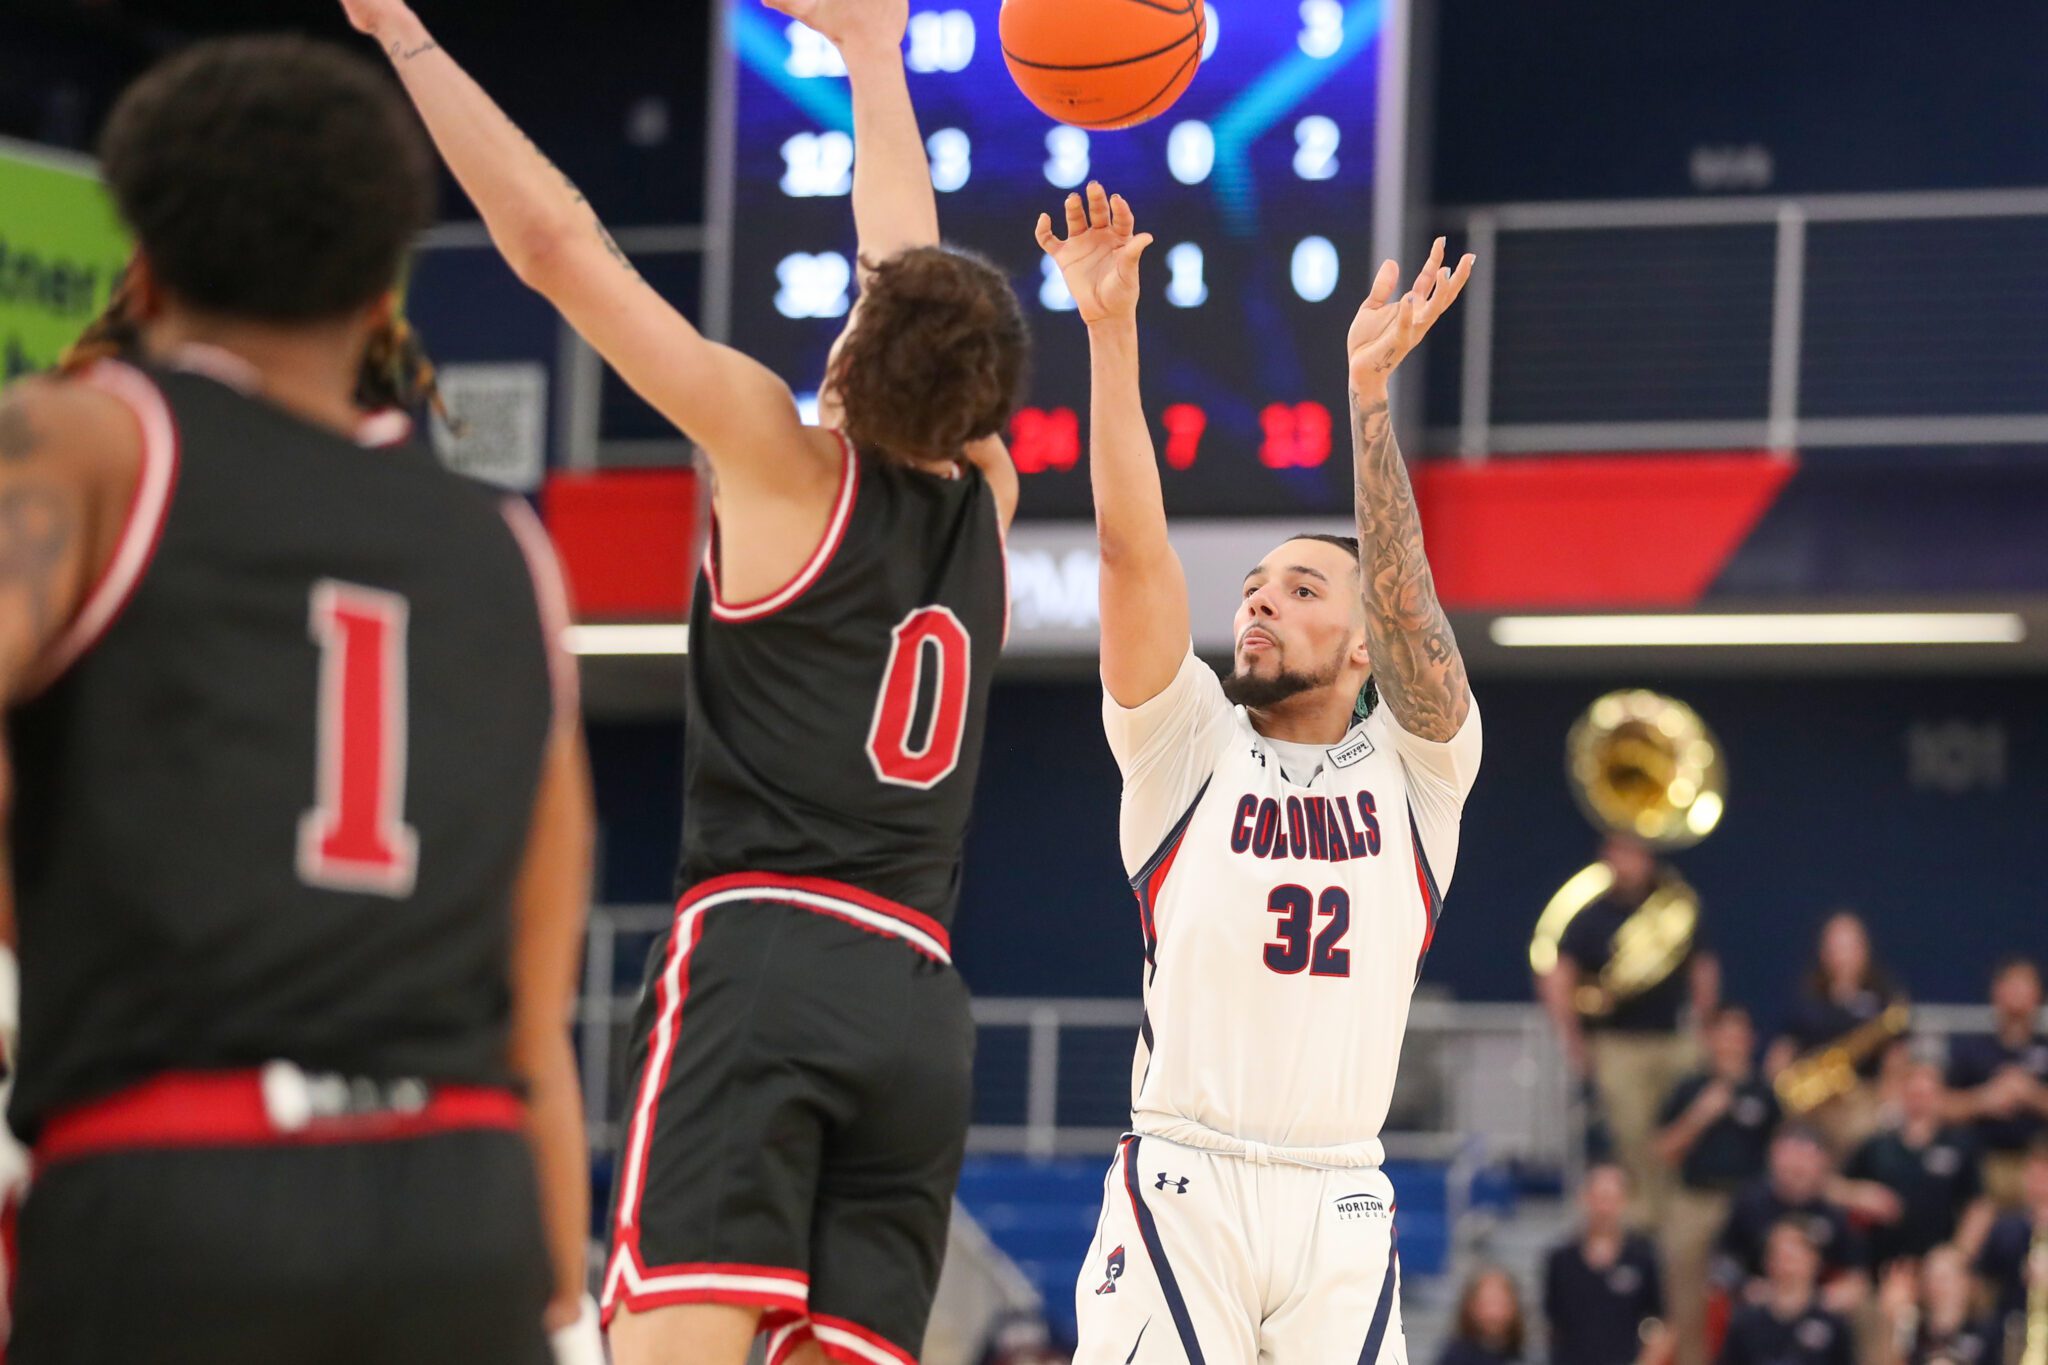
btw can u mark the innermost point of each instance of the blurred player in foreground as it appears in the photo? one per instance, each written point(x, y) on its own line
point(1289, 832)
point(300, 815)
point(803, 1047)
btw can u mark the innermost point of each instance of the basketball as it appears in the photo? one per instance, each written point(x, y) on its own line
point(1103, 64)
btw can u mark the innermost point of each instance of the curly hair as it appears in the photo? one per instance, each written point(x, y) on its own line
point(274, 179)
point(937, 359)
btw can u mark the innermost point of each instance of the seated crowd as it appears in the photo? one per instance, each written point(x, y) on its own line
point(1890, 1217)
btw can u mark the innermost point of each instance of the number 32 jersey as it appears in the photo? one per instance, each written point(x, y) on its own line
point(1285, 914)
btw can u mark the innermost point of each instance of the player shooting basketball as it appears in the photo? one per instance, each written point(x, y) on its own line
point(803, 1048)
point(1289, 832)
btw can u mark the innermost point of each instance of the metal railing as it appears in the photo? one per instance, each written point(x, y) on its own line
point(1756, 321)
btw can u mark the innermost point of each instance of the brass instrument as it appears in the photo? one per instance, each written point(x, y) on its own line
point(1828, 1072)
point(1646, 765)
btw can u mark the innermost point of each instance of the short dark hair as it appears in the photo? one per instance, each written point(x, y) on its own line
point(2014, 962)
point(1346, 543)
point(938, 357)
point(269, 178)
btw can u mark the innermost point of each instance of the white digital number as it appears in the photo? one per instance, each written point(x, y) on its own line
point(1066, 163)
point(1053, 292)
point(813, 286)
point(817, 165)
point(1322, 28)
point(1316, 140)
point(940, 41)
point(1209, 38)
point(1186, 289)
point(811, 54)
point(1191, 152)
point(952, 154)
point(1315, 268)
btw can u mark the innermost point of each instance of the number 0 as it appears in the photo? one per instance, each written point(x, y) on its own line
point(934, 636)
point(355, 838)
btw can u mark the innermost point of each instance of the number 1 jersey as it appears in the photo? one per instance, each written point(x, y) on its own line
point(274, 792)
point(833, 728)
point(1286, 915)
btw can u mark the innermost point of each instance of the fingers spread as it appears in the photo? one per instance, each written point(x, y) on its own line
point(1077, 217)
point(1120, 218)
point(1426, 281)
point(1047, 241)
point(1098, 205)
point(1383, 285)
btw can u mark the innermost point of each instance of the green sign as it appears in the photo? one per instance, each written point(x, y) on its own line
point(61, 250)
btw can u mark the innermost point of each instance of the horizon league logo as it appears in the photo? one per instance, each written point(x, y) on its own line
point(1352, 1207)
point(1113, 1272)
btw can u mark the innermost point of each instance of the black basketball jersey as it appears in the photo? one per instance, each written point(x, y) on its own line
point(834, 728)
point(274, 804)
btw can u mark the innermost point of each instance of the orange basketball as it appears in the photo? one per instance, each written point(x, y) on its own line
point(1103, 64)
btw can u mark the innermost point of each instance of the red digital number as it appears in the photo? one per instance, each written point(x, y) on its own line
point(1042, 440)
point(1297, 436)
point(355, 838)
point(931, 635)
point(1185, 423)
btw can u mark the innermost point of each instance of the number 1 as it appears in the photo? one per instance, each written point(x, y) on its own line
point(355, 838)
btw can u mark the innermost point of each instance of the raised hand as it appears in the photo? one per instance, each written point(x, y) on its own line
point(375, 16)
point(1387, 329)
point(850, 23)
point(1099, 258)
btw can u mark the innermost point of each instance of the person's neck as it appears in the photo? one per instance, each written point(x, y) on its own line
point(1844, 989)
point(1320, 716)
point(2015, 1030)
point(1601, 1244)
point(309, 372)
point(1920, 1131)
point(1790, 1301)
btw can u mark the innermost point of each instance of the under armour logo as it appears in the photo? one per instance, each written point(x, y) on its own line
point(1180, 1186)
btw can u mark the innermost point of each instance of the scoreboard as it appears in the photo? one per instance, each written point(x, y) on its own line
point(1261, 186)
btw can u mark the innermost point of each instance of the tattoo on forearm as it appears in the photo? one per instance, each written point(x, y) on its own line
point(1415, 656)
point(400, 53)
point(618, 253)
point(603, 236)
point(36, 530)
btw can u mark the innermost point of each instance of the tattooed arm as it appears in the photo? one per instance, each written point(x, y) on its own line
point(735, 408)
point(1415, 658)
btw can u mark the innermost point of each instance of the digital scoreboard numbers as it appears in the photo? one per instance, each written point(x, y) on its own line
point(1259, 185)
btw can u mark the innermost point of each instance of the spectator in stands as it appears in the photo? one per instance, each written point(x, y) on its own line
point(1716, 1129)
point(1795, 1188)
point(1603, 1296)
point(1928, 1317)
point(1844, 994)
point(1916, 1185)
point(1636, 1048)
point(1489, 1329)
point(1786, 1323)
point(1999, 1080)
point(2003, 1262)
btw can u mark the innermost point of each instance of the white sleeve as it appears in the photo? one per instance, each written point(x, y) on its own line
point(1440, 777)
point(1164, 749)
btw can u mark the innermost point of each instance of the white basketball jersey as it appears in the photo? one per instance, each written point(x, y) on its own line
point(1286, 915)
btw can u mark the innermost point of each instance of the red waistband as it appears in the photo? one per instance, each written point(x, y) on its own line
point(840, 900)
point(271, 1107)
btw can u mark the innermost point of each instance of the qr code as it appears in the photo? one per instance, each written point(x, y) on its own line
point(497, 428)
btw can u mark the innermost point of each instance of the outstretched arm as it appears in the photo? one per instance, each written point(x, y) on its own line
point(1143, 588)
point(733, 407)
point(894, 206)
point(1415, 658)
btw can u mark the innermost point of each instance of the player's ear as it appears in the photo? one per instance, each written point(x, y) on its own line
point(145, 295)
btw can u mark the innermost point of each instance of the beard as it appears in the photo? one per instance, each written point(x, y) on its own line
point(1256, 693)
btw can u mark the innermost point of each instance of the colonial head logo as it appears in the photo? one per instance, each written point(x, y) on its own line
point(1114, 1271)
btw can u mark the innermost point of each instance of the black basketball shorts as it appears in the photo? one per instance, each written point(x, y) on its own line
point(422, 1251)
point(799, 1110)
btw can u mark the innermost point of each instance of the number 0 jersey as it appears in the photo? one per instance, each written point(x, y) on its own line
point(1285, 921)
point(273, 796)
point(834, 728)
